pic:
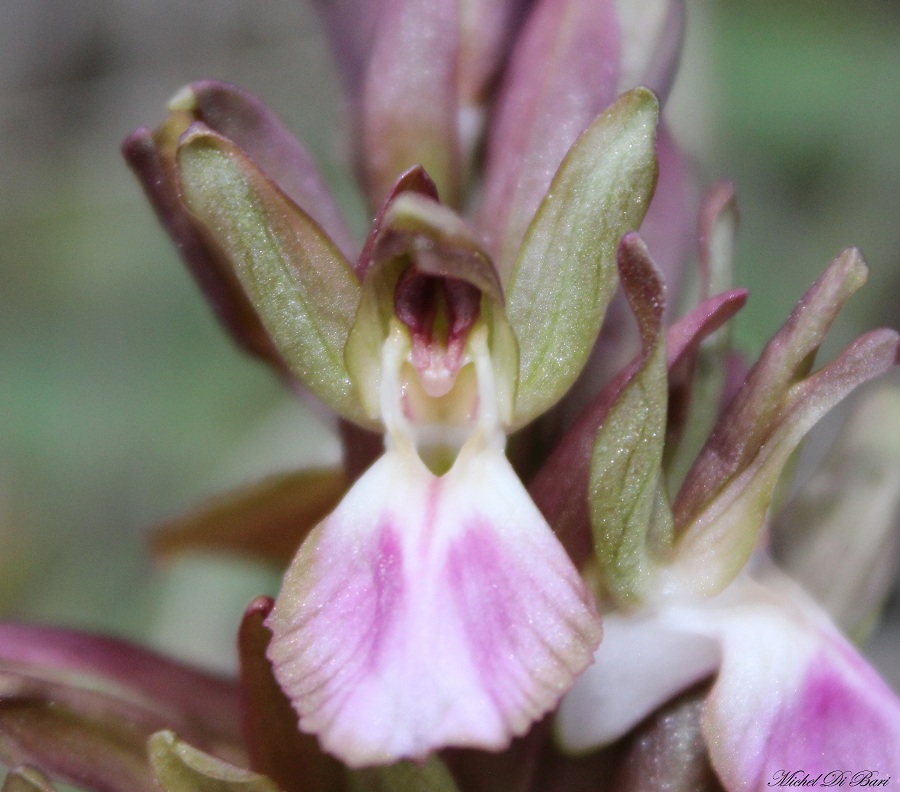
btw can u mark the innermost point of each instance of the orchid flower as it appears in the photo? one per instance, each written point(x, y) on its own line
point(691, 596)
point(437, 547)
point(444, 337)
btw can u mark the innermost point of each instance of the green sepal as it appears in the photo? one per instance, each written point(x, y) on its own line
point(300, 284)
point(630, 515)
point(181, 768)
point(565, 274)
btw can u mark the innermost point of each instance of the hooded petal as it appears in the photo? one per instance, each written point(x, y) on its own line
point(415, 232)
point(430, 611)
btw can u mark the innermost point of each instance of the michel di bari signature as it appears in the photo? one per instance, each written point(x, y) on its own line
point(834, 778)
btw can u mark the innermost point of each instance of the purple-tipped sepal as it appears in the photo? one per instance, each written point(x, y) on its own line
point(262, 139)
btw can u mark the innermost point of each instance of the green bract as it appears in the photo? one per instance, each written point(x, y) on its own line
point(431, 776)
point(648, 551)
point(565, 275)
point(719, 540)
point(180, 768)
point(723, 502)
point(718, 228)
point(629, 511)
point(787, 358)
point(26, 779)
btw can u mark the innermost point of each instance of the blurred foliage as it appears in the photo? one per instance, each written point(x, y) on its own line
point(807, 128)
point(121, 402)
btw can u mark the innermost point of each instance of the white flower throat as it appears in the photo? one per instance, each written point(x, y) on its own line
point(436, 427)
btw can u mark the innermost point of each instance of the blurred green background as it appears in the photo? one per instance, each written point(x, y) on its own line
point(122, 403)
